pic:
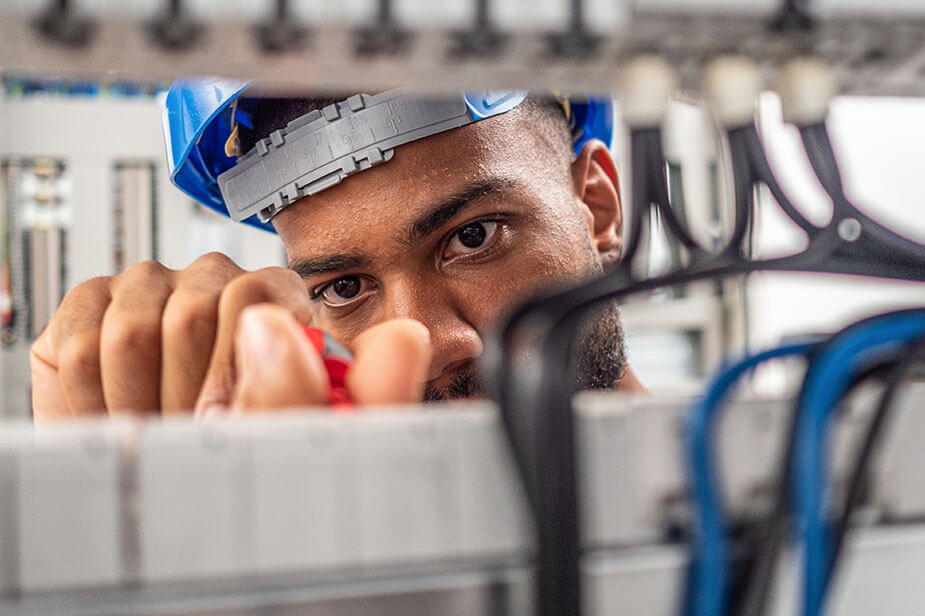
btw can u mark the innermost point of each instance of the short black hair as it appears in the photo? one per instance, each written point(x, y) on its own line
point(544, 113)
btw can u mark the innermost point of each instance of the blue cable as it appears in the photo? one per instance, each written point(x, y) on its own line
point(709, 576)
point(827, 379)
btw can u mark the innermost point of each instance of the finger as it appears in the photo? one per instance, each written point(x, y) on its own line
point(130, 342)
point(273, 285)
point(48, 400)
point(65, 359)
point(190, 323)
point(390, 364)
point(277, 366)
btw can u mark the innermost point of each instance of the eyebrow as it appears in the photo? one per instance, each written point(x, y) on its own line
point(431, 221)
point(328, 264)
point(450, 206)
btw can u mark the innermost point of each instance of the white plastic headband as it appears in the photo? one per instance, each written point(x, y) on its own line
point(321, 148)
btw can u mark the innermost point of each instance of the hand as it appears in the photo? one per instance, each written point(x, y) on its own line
point(158, 340)
point(278, 367)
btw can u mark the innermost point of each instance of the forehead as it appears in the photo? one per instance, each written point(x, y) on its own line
point(420, 174)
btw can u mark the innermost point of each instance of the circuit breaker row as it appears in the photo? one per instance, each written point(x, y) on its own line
point(369, 45)
point(114, 504)
point(634, 480)
point(598, 15)
point(96, 504)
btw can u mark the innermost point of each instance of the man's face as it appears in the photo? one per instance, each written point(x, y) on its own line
point(454, 232)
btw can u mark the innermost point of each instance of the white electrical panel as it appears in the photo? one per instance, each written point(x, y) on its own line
point(306, 496)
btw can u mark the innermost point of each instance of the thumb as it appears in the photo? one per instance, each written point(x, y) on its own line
point(276, 365)
point(391, 362)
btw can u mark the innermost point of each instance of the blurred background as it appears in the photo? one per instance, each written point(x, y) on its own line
point(85, 193)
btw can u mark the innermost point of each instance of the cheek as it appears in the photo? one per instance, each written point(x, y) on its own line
point(534, 269)
point(558, 250)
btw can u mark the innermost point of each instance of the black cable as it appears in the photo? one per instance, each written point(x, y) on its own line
point(535, 398)
point(758, 573)
point(658, 174)
point(534, 393)
point(857, 482)
point(751, 534)
point(886, 253)
point(544, 384)
point(651, 190)
point(534, 390)
point(745, 145)
point(757, 570)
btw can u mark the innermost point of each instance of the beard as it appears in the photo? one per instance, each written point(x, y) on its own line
point(599, 352)
point(598, 358)
point(465, 384)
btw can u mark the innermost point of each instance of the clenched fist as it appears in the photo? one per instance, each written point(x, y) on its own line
point(211, 336)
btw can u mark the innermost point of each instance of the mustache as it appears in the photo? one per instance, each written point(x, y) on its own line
point(465, 384)
point(598, 361)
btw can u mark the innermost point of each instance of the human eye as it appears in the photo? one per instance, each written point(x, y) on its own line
point(343, 291)
point(470, 238)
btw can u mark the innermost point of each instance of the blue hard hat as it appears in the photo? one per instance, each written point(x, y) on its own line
point(200, 114)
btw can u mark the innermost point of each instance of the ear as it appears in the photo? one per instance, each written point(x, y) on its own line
point(597, 186)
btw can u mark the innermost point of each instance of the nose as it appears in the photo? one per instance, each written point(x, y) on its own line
point(454, 339)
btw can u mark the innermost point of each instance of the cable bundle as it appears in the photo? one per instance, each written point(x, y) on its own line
point(835, 365)
point(535, 398)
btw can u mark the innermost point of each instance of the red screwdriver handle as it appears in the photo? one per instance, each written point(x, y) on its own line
point(337, 361)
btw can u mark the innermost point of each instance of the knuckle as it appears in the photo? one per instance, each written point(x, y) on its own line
point(80, 355)
point(144, 270)
point(272, 284)
point(98, 284)
point(288, 277)
point(190, 318)
point(247, 288)
point(215, 257)
point(283, 280)
point(39, 349)
point(215, 262)
point(93, 287)
point(275, 273)
point(82, 303)
point(125, 334)
point(273, 270)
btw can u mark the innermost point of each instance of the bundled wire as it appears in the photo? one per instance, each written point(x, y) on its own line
point(845, 360)
point(750, 168)
point(765, 539)
point(826, 381)
point(536, 399)
point(534, 389)
point(709, 570)
point(857, 480)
